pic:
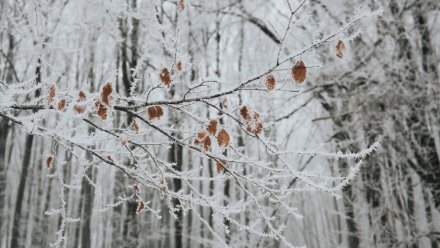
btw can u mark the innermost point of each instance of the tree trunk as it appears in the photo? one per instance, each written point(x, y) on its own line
point(16, 228)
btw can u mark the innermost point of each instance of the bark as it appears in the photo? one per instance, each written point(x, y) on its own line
point(4, 130)
point(17, 226)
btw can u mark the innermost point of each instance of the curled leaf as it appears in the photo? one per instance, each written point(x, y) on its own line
point(299, 72)
point(49, 161)
point(165, 77)
point(212, 127)
point(106, 94)
point(340, 49)
point(223, 138)
point(140, 207)
point(270, 82)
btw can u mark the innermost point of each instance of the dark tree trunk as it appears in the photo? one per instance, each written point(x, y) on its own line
point(16, 228)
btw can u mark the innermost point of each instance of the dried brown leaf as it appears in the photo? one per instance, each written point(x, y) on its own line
point(165, 77)
point(244, 112)
point(61, 104)
point(79, 109)
point(201, 135)
point(49, 161)
point(299, 72)
point(106, 93)
point(140, 207)
point(270, 82)
point(52, 93)
point(223, 138)
point(212, 127)
point(154, 112)
point(179, 65)
point(102, 112)
point(82, 96)
point(258, 129)
point(340, 49)
point(207, 143)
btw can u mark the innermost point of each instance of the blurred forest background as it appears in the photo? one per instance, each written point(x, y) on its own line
point(385, 87)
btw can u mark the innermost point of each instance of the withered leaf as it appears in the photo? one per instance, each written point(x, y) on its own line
point(49, 161)
point(61, 105)
point(154, 112)
point(212, 127)
point(340, 49)
point(207, 143)
point(223, 138)
point(270, 82)
point(299, 72)
point(165, 77)
point(140, 207)
point(106, 94)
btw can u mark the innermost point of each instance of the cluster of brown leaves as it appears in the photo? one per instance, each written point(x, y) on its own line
point(165, 77)
point(203, 139)
point(103, 103)
point(340, 49)
point(79, 108)
point(49, 161)
point(299, 72)
point(52, 93)
point(252, 120)
point(154, 112)
point(270, 82)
